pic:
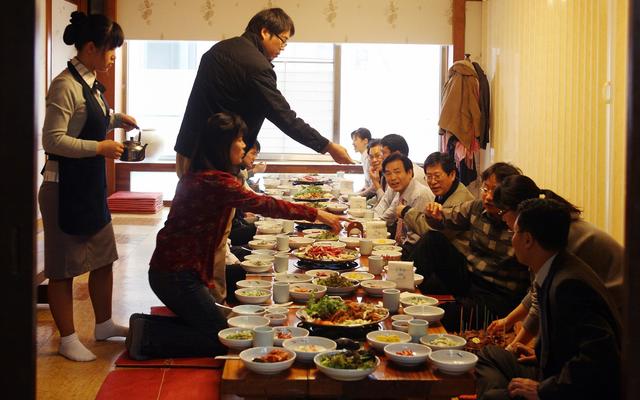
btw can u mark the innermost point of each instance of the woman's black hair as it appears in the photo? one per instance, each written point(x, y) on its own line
point(515, 189)
point(362, 133)
point(274, 19)
point(214, 143)
point(97, 28)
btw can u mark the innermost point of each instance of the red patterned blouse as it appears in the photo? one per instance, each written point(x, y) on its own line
point(199, 213)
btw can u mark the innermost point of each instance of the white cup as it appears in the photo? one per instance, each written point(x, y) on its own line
point(376, 265)
point(340, 174)
point(368, 215)
point(366, 246)
point(262, 336)
point(280, 292)
point(287, 225)
point(282, 242)
point(281, 262)
point(391, 299)
point(417, 329)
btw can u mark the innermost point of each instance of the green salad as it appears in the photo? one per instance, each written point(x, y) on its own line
point(335, 281)
point(350, 359)
point(324, 308)
point(240, 335)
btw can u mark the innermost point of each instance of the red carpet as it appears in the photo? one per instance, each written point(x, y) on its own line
point(160, 384)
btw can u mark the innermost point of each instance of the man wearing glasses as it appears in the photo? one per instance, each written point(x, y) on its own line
point(442, 178)
point(473, 259)
point(236, 75)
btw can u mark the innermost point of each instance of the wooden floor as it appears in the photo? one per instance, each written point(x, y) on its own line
point(59, 378)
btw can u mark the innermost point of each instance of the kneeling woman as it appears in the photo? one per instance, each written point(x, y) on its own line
point(187, 267)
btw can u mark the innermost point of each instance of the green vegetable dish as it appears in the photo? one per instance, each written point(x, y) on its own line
point(359, 359)
point(335, 281)
point(240, 335)
point(325, 307)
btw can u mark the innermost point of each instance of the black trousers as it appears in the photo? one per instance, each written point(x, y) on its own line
point(445, 270)
point(241, 231)
point(496, 367)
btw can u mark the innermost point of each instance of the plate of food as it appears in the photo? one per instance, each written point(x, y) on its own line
point(344, 313)
point(313, 193)
point(326, 254)
point(322, 236)
point(292, 278)
point(311, 180)
point(321, 273)
point(337, 285)
point(417, 300)
point(358, 276)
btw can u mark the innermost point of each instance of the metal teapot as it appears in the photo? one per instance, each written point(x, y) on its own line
point(133, 149)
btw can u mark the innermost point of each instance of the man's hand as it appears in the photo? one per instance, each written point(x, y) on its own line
point(434, 210)
point(525, 354)
point(333, 220)
point(260, 167)
point(523, 387)
point(339, 153)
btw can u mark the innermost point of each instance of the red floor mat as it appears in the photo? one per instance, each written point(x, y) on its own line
point(160, 383)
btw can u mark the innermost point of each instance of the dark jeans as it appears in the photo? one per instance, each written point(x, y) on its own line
point(195, 332)
point(445, 272)
point(496, 367)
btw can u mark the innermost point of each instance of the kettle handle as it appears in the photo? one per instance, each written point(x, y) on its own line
point(139, 135)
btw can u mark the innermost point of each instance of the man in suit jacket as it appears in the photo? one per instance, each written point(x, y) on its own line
point(577, 354)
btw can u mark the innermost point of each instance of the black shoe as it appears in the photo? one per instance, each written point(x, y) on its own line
point(134, 338)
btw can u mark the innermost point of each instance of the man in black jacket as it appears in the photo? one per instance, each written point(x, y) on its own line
point(577, 354)
point(236, 75)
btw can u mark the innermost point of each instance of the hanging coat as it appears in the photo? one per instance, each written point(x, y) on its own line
point(485, 105)
point(460, 110)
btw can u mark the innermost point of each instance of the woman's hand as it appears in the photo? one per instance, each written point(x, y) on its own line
point(499, 326)
point(526, 388)
point(333, 220)
point(127, 122)
point(339, 153)
point(434, 210)
point(110, 149)
point(260, 167)
point(525, 354)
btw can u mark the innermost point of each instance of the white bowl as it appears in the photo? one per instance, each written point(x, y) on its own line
point(376, 338)
point(383, 242)
point(262, 252)
point(266, 368)
point(282, 333)
point(428, 313)
point(321, 273)
point(260, 256)
point(256, 266)
point(330, 243)
point(387, 255)
point(417, 279)
point(302, 292)
point(271, 183)
point(307, 347)
point(276, 319)
point(269, 229)
point(336, 207)
point(374, 287)
point(264, 237)
point(401, 317)
point(454, 362)
point(262, 244)
point(253, 295)
point(357, 212)
point(292, 278)
point(387, 247)
point(249, 309)
point(352, 242)
point(417, 300)
point(253, 283)
point(419, 353)
point(313, 231)
point(343, 374)
point(457, 342)
point(235, 344)
point(296, 242)
point(338, 290)
point(274, 192)
point(402, 326)
point(358, 275)
point(247, 321)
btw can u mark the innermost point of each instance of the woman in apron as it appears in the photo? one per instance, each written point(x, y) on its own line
point(187, 269)
point(78, 234)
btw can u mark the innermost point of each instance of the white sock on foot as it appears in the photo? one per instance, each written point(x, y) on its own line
point(73, 349)
point(107, 329)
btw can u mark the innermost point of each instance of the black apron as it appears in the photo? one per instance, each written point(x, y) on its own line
point(82, 205)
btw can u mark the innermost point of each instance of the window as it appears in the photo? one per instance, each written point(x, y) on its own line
point(386, 88)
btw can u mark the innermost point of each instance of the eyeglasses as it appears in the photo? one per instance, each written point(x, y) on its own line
point(487, 190)
point(284, 41)
point(501, 212)
point(435, 177)
point(376, 156)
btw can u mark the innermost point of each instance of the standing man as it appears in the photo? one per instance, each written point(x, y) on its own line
point(577, 355)
point(398, 171)
point(236, 75)
point(442, 178)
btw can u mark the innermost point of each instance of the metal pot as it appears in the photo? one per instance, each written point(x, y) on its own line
point(133, 149)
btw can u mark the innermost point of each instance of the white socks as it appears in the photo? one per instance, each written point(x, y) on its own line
point(107, 329)
point(71, 348)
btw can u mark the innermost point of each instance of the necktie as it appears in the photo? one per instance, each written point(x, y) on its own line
point(400, 232)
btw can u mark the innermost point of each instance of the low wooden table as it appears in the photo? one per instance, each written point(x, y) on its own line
point(304, 380)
